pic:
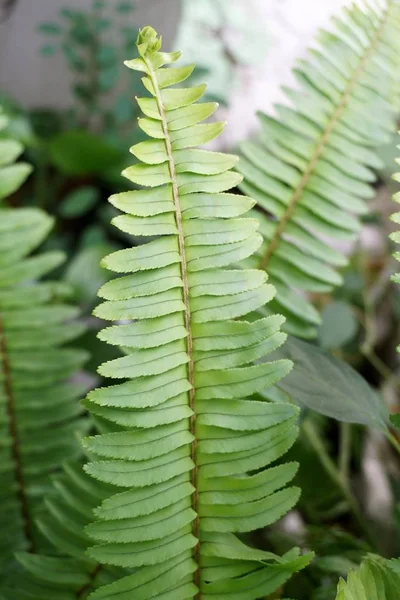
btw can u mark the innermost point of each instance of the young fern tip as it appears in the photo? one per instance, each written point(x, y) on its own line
point(190, 440)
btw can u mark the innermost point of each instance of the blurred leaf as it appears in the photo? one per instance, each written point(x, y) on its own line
point(395, 421)
point(123, 109)
point(106, 55)
point(102, 25)
point(81, 33)
point(107, 78)
point(49, 28)
point(331, 387)
point(338, 326)
point(83, 153)
point(79, 202)
point(83, 92)
point(99, 4)
point(68, 13)
point(12, 177)
point(125, 7)
point(75, 61)
point(48, 50)
point(85, 274)
point(46, 123)
point(335, 564)
point(93, 236)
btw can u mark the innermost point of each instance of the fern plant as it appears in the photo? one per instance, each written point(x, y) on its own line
point(192, 440)
point(312, 164)
point(38, 408)
point(376, 579)
point(68, 573)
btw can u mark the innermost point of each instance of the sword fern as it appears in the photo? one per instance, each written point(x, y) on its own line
point(38, 409)
point(311, 166)
point(192, 442)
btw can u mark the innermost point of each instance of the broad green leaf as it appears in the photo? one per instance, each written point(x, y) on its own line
point(328, 385)
point(82, 153)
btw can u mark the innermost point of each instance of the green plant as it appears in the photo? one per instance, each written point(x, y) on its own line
point(39, 412)
point(85, 39)
point(311, 166)
point(376, 579)
point(186, 437)
point(68, 570)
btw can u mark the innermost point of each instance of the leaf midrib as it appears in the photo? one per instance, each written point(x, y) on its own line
point(15, 443)
point(296, 196)
point(187, 314)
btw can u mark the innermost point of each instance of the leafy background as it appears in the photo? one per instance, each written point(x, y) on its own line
point(348, 474)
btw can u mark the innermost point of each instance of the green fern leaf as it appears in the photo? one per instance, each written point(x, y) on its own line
point(39, 409)
point(374, 580)
point(311, 166)
point(191, 445)
point(12, 175)
point(68, 573)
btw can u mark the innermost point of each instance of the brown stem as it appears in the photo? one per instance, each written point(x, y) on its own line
point(321, 144)
point(189, 338)
point(15, 445)
point(86, 588)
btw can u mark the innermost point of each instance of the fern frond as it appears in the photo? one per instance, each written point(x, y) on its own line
point(38, 410)
point(311, 166)
point(12, 174)
point(374, 580)
point(68, 573)
point(190, 429)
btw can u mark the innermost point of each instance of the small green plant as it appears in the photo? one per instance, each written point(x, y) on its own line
point(85, 38)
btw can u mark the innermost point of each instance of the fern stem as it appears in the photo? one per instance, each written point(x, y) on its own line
point(81, 593)
point(186, 301)
point(15, 446)
point(393, 440)
point(345, 450)
point(332, 470)
point(322, 142)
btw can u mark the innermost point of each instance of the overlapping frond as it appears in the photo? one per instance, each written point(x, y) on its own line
point(374, 580)
point(67, 574)
point(38, 409)
point(192, 447)
point(312, 165)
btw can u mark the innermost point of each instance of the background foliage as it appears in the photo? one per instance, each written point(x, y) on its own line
point(346, 391)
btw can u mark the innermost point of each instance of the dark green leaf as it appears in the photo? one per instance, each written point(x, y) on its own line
point(79, 202)
point(80, 152)
point(125, 7)
point(106, 55)
point(49, 28)
point(395, 420)
point(331, 387)
point(107, 78)
point(339, 325)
